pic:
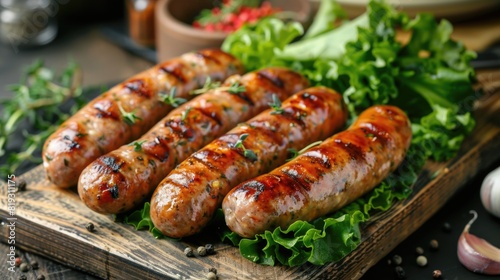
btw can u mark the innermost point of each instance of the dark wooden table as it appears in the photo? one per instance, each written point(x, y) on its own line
point(103, 62)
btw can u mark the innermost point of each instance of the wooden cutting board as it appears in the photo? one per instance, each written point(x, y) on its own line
point(51, 222)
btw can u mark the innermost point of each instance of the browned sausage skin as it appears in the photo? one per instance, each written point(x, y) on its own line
point(187, 198)
point(102, 126)
point(122, 179)
point(324, 178)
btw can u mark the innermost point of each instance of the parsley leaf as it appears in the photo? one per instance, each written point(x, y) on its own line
point(171, 99)
point(128, 117)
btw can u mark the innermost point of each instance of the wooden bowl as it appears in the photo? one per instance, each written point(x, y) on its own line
point(175, 35)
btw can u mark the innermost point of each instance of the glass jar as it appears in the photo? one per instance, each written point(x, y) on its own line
point(28, 23)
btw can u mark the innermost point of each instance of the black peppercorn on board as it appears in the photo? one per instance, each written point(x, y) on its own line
point(54, 222)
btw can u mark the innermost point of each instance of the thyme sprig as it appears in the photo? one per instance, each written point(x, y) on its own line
point(128, 117)
point(185, 113)
point(234, 87)
point(246, 152)
point(276, 106)
point(209, 85)
point(137, 145)
point(170, 98)
point(294, 153)
point(35, 111)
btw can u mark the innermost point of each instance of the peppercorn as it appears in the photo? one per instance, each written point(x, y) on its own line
point(210, 249)
point(40, 277)
point(18, 261)
point(397, 260)
point(188, 252)
point(90, 227)
point(202, 251)
point(24, 267)
point(21, 185)
point(422, 261)
point(34, 265)
point(400, 272)
point(437, 274)
point(213, 269)
point(434, 244)
point(446, 227)
point(211, 276)
point(419, 250)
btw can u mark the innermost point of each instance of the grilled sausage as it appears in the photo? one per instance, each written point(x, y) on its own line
point(127, 111)
point(122, 179)
point(187, 198)
point(324, 178)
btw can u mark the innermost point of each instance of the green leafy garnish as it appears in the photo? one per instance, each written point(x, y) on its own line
point(171, 99)
point(209, 85)
point(141, 219)
point(257, 45)
point(276, 105)
point(294, 153)
point(234, 88)
point(128, 117)
point(185, 113)
point(247, 153)
point(37, 100)
point(137, 145)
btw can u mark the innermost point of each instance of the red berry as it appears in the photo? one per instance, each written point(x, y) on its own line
point(210, 27)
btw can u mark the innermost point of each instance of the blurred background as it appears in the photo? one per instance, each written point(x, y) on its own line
point(59, 31)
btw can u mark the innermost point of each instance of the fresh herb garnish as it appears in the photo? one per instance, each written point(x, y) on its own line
point(209, 85)
point(185, 113)
point(137, 145)
point(234, 87)
point(128, 117)
point(294, 153)
point(36, 101)
point(276, 106)
point(170, 98)
point(141, 219)
point(246, 153)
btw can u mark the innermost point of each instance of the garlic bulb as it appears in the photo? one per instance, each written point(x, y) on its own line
point(490, 192)
point(476, 254)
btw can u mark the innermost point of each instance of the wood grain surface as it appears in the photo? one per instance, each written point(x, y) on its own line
point(51, 222)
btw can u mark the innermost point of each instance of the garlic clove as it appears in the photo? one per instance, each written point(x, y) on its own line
point(477, 254)
point(490, 192)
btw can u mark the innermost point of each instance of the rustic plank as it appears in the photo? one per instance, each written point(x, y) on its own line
point(51, 222)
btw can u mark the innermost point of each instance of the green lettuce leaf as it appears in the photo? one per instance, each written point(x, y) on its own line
point(141, 220)
point(442, 132)
point(328, 14)
point(257, 45)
